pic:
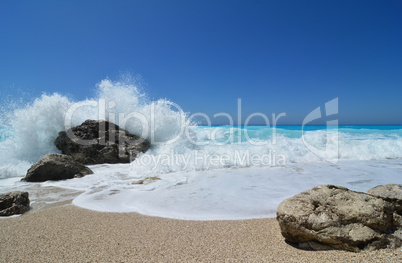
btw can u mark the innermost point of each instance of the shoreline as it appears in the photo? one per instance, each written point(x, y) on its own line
point(71, 234)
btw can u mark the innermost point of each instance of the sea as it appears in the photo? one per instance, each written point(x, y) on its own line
point(191, 171)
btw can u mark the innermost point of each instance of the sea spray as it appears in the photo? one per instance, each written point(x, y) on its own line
point(32, 128)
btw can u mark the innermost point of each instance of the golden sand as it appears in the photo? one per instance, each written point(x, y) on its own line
point(71, 234)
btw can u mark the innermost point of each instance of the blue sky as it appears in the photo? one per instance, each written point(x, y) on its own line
point(277, 56)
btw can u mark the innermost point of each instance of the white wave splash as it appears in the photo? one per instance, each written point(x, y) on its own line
point(32, 128)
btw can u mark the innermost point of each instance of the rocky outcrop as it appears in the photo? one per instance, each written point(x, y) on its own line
point(95, 142)
point(14, 203)
point(393, 191)
point(54, 166)
point(329, 216)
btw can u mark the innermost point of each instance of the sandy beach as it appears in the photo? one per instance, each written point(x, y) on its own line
point(172, 131)
point(71, 234)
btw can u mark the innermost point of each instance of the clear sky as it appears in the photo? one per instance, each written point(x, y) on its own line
point(277, 56)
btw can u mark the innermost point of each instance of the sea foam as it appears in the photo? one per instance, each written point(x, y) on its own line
point(206, 173)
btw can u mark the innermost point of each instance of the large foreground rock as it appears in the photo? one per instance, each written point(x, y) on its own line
point(95, 142)
point(329, 216)
point(14, 203)
point(54, 166)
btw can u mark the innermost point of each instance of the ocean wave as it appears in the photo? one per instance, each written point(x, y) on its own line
point(178, 144)
point(29, 130)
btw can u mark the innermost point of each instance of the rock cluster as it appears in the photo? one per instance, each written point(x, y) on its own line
point(54, 166)
point(96, 142)
point(92, 142)
point(14, 203)
point(329, 216)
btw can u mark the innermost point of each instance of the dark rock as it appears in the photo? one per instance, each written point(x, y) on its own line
point(337, 217)
point(54, 166)
point(14, 203)
point(95, 142)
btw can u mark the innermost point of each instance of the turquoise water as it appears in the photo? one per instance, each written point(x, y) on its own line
point(291, 131)
point(296, 131)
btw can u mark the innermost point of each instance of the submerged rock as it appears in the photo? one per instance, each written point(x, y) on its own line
point(146, 180)
point(96, 142)
point(329, 216)
point(54, 166)
point(14, 203)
